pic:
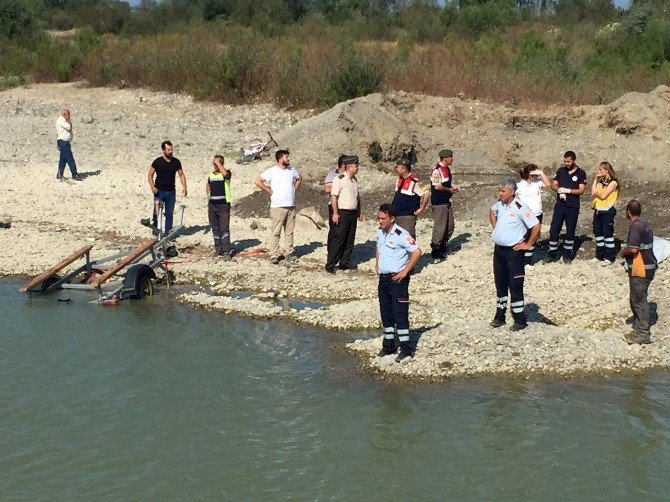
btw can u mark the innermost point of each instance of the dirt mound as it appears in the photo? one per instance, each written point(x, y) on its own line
point(639, 113)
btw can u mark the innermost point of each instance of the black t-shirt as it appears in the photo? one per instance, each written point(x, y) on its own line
point(165, 173)
point(571, 181)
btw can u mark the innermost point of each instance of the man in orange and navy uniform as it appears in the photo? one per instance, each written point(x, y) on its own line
point(410, 200)
point(441, 190)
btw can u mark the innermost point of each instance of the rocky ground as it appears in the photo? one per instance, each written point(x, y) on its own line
point(577, 313)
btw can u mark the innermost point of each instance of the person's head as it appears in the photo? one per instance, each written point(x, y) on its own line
point(386, 216)
point(446, 157)
point(606, 170)
point(524, 172)
point(340, 164)
point(350, 163)
point(633, 209)
point(403, 167)
point(65, 113)
point(507, 190)
point(218, 162)
point(167, 149)
point(283, 157)
point(569, 158)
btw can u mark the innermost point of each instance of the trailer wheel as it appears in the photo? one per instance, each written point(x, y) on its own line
point(47, 283)
point(139, 282)
point(145, 286)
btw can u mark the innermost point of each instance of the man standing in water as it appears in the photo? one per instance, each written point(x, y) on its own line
point(165, 168)
point(641, 265)
point(281, 181)
point(396, 255)
point(64, 138)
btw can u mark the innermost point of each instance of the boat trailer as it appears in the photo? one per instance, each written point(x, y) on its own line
point(115, 277)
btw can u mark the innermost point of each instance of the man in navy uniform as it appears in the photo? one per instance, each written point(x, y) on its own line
point(396, 255)
point(569, 182)
point(410, 200)
point(511, 220)
point(441, 190)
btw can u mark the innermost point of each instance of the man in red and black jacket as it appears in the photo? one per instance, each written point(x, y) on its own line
point(410, 200)
point(441, 190)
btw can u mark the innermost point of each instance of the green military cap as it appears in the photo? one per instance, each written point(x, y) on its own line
point(446, 153)
point(403, 162)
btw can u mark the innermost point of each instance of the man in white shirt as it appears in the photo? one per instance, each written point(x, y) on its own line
point(64, 132)
point(281, 182)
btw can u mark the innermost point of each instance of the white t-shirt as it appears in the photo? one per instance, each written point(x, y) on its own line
point(530, 193)
point(282, 183)
point(63, 129)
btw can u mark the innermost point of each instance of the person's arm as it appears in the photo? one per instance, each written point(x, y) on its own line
point(327, 187)
point(182, 179)
point(436, 181)
point(413, 259)
point(207, 188)
point(493, 217)
point(297, 182)
point(534, 234)
point(424, 202)
point(260, 183)
point(605, 193)
point(546, 181)
point(150, 178)
point(594, 186)
point(336, 209)
point(377, 258)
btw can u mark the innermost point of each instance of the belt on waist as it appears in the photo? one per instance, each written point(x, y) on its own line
point(350, 210)
point(504, 248)
point(390, 274)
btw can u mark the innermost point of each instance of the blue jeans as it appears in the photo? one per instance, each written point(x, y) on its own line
point(169, 198)
point(65, 157)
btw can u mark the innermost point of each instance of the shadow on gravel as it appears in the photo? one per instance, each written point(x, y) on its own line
point(88, 174)
point(415, 334)
point(364, 252)
point(195, 229)
point(306, 249)
point(455, 243)
point(533, 315)
point(245, 244)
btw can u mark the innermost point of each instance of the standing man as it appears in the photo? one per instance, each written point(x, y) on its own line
point(64, 138)
point(441, 190)
point(345, 204)
point(327, 187)
point(218, 207)
point(165, 168)
point(410, 200)
point(395, 257)
point(511, 220)
point(641, 265)
point(281, 182)
point(569, 182)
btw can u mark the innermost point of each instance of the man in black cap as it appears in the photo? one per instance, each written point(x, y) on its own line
point(346, 208)
point(410, 200)
point(441, 190)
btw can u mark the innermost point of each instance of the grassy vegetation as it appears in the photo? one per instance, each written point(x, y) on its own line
point(301, 53)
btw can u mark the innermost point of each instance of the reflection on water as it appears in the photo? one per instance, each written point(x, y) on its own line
point(154, 400)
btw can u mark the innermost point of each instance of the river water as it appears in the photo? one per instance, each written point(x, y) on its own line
point(153, 400)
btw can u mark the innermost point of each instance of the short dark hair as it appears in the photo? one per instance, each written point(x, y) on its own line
point(388, 209)
point(339, 160)
point(280, 153)
point(634, 207)
point(570, 155)
point(165, 143)
point(221, 158)
point(524, 172)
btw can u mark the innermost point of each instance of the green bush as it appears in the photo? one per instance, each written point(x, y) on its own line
point(357, 75)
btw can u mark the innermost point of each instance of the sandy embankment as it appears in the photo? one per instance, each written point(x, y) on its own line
point(577, 313)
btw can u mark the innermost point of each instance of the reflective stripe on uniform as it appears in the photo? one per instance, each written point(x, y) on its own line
point(403, 335)
point(568, 244)
point(553, 246)
point(609, 242)
point(389, 333)
point(502, 302)
point(517, 307)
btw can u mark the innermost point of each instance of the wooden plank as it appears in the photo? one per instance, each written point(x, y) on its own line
point(101, 279)
point(40, 278)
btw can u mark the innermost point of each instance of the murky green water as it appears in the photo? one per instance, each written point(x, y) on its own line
point(152, 400)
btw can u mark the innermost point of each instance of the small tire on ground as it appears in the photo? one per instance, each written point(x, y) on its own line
point(46, 283)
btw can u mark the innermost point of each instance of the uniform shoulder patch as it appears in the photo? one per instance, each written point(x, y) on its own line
point(341, 176)
point(409, 240)
point(518, 204)
point(398, 231)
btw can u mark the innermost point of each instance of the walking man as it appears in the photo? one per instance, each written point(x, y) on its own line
point(281, 181)
point(410, 200)
point(441, 190)
point(218, 208)
point(511, 220)
point(63, 142)
point(396, 254)
point(641, 265)
point(346, 208)
point(569, 182)
point(165, 168)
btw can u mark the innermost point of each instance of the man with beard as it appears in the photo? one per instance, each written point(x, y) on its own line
point(281, 181)
point(165, 168)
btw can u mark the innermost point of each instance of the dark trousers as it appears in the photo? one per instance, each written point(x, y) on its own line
point(66, 157)
point(341, 238)
point(169, 199)
point(567, 215)
point(219, 220)
point(603, 229)
point(639, 287)
point(508, 272)
point(443, 228)
point(394, 309)
point(528, 255)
